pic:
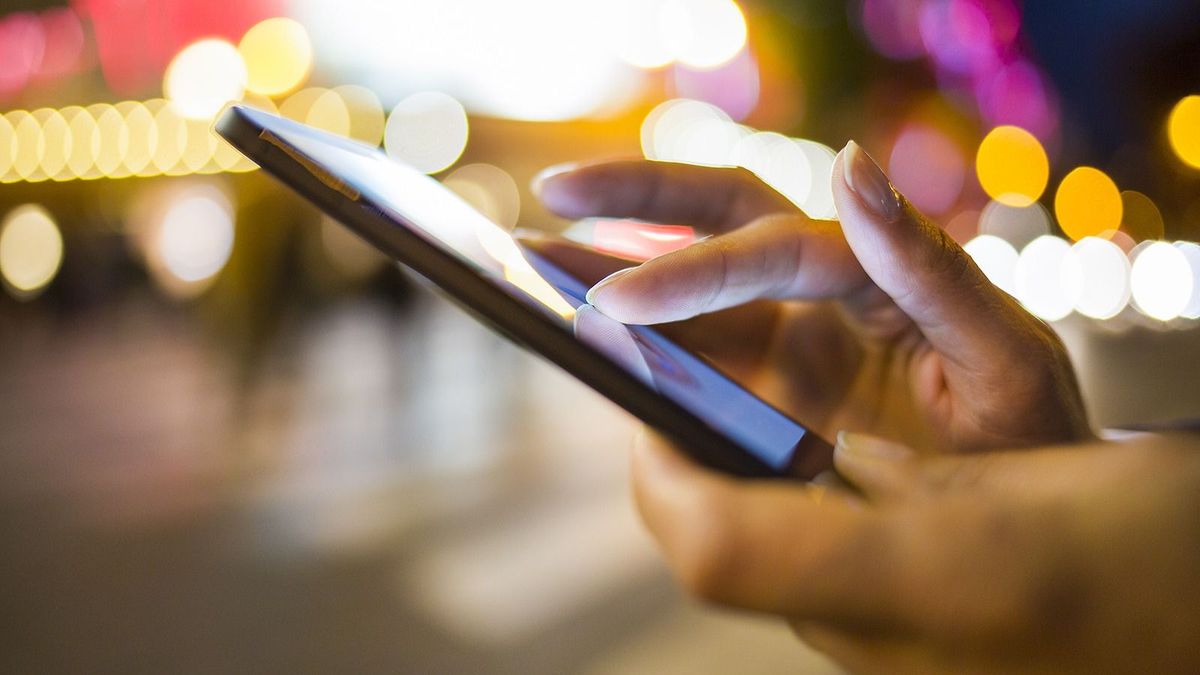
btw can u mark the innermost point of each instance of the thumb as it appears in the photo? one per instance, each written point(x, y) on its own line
point(925, 272)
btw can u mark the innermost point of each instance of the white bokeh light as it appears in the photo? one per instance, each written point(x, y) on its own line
point(1162, 281)
point(997, 258)
point(428, 131)
point(1191, 251)
point(196, 237)
point(779, 161)
point(203, 77)
point(1105, 269)
point(1048, 278)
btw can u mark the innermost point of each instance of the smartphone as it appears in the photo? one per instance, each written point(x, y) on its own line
point(527, 298)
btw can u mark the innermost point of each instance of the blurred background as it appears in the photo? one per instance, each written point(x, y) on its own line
point(235, 438)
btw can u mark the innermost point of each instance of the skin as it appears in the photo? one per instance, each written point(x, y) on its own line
point(1010, 540)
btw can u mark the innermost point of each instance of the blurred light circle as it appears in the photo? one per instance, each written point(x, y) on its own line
point(329, 112)
point(704, 33)
point(820, 157)
point(195, 237)
point(668, 127)
point(1191, 251)
point(927, 168)
point(1016, 225)
point(22, 49)
point(1048, 279)
point(367, 118)
point(734, 87)
point(893, 28)
point(708, 142)
point(203, 77)
point(1162, 281)
point(143, 136)
point(8, 143)
point(1016, 95)
point(1105, 289)
point(84, 141)
point(958, 35)
point(490, 189)
point(1183, 130)
point(428, 131)
point(200, 146)
point(637, 33)
point(56, 142)
point(1141, 218)
point(31, 250)
point(780, 162)
point(278, 56)
point(998, 260)
point(1012, 166)
point(172, 131)
point(114, 140)
point(1087, 203)
point(28, 143)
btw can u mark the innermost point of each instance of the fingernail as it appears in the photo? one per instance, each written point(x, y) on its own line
point(549, 172)
point(862, 446)
point(867, 180)
point(594, 290)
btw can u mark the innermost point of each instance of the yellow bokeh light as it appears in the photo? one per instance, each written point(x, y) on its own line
point(1183, 130)
point(329, 113)
point(201, 146)
point(278, 56)
point(1012, 166)
point(172, 138)
point(114, 140)
point(143, 136)
point(1141, 220)
point(367, 117)
point(84, 141)
point(56, 142)
point(31, 250)
point(490, 189)
point(1088, 203)
point(203, 77)
point(29, 145)
point(8, 147)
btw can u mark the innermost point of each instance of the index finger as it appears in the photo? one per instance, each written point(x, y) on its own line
point(711, 198)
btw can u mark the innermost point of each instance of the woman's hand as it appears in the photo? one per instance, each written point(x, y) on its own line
point(1081, 559)
point(897, 331)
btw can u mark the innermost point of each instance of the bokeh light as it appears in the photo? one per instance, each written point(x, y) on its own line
point(490, 189)
point(998, 260)
point(821, 157)
point(29, 144)
point(278, 56)
point(1183, 130)
point(704, 33)
point(1105, 287)
point(428, 131)
point(1048, 279)
point(84, 141)
point(683, 130)
point(365, 112)
point(1087, 203)
point(113, 135)
point(31, 250)
point(56, 142)
point(1191, 251)
point(203, 77)
point(1140, 217)
point(928, 168)
point(1018, 225)
point(1162, 281)
point(1012, 166)
point(893, 27)
point(143, 136)
point(780, 162)
point(637, 33)
point(8, 147)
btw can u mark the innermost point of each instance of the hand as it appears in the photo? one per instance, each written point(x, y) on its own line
point(1057, 560)
point(899, 332)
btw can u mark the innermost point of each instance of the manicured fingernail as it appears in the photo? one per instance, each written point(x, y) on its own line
point(867, 180)
point(594, 291)
point(861, 446)
point(548, 173)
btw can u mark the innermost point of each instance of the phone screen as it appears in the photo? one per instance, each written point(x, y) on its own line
point(417, 202)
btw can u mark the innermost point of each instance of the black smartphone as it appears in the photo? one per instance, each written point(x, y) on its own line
point(418, 222)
